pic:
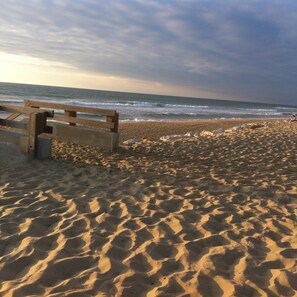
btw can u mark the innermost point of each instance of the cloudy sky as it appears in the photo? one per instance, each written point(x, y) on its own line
point(229, 49)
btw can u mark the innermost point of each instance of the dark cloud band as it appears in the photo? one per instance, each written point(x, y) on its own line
point(240, 48)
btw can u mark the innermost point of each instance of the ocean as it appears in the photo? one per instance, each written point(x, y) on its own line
point(144, 107)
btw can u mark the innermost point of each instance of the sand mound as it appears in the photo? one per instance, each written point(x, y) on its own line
point(194, 217)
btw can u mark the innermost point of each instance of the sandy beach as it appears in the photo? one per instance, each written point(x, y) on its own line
point(206, 214)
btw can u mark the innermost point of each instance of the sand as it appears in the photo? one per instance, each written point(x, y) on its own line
point(198, 216)
point(154, 130)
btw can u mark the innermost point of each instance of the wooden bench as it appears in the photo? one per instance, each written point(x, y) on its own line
point(70, 126)
point(71, 114)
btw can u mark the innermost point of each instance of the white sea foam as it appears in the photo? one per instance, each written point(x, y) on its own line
point(139, 107)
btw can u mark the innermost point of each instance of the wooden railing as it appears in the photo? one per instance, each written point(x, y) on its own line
point(71, 113)
point(36, 124)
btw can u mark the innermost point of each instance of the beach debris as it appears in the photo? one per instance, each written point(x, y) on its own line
point(146, 140)
point(231, 130)
point(206, 133)
point(175, 137)
point(219, 131)
point(132, 141)
point(142, 140)
point(234, 129)
point(246, 126)
point(255, 125)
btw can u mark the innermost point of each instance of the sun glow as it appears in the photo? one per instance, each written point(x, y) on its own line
point(23, 59)
point(31, 70)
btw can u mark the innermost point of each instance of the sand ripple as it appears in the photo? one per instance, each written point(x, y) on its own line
point(203, 217)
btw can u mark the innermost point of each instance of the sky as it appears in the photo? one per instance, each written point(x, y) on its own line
point(228, 49)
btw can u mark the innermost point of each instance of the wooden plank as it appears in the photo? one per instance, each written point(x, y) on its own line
point(13, 124)
point(15, 108)
point(25, 110)
point(21, 127)
point(85, 122)
point(16, 130)
point(13, 116)
point(85, 109)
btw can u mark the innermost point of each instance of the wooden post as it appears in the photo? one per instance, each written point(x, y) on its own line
point(69, 113)
point(37, 125)
point(115, 120)
point(32, 136)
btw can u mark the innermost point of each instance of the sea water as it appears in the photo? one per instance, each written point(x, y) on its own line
point(143, 107)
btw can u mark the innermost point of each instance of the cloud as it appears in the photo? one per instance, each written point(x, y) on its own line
point(241, 49)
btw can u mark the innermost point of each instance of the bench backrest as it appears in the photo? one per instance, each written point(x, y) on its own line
point(71, 114)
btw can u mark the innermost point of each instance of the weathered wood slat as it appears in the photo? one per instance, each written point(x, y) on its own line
point(85, 122)
point(25, 110)
point(13, 124)
point(16, 130)
point(71, 111)
point(93, 110)
point(15, 108)
point(13, 116)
